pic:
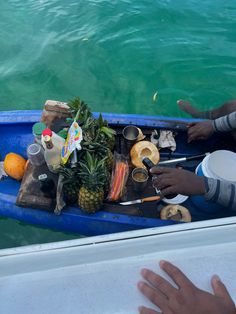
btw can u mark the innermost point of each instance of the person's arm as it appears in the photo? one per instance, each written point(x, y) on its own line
point(226, 123)
point(204, 129)
point(179, 181)
point(183, 297)
point(221, 192)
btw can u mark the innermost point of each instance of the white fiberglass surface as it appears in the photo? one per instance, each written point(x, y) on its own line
point(102, 278)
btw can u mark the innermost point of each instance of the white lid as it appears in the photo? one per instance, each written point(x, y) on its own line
point(222, 164)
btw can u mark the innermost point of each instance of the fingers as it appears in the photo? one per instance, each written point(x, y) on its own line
point(146, 310)
point(195, 137)
point(176, 275)
point(166, 186)
point(163, 182)
point(158, 282)
point(169, 190)
point(197, 131)
point(179, 101)
point(220, 290)
point(153, 295)
point(160, 170)
point(192, 134)
point(166, 182)
point(191, 124)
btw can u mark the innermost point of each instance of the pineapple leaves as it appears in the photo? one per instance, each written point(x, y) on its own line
point(108, 131)
point(92, 173)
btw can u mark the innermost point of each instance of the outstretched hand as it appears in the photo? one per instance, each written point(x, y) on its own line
point(186, 298)
point(200, 130)
point(177, 181)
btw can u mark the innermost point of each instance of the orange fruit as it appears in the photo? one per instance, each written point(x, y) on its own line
point(14, 166)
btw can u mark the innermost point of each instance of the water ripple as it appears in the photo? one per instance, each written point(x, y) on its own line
point(116, 53)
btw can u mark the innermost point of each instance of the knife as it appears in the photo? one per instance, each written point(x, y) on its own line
point(142, 200)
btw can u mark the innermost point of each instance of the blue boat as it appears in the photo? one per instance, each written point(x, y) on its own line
point(16, 135)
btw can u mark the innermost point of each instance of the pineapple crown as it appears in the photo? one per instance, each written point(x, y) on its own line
point(92, 172)
point(96, 132)
point(104, 128)
point(69, 175)
point(80, 110)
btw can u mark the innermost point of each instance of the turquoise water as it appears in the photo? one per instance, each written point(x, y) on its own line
point(115, 55)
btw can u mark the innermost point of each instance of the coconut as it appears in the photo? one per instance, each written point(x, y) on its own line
point(175, 212)
point(144, 149)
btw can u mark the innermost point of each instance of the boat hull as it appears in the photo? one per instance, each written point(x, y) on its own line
point(17, 129)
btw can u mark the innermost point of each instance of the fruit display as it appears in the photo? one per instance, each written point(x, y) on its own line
point(89, 170)
point(89, 182)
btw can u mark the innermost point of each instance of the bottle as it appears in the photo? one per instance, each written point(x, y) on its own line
point(37, 130)
point(47, 185)
point(148, 163)
point(73, 159)
point(56, 139)
point(53, 147)
point(35, 153)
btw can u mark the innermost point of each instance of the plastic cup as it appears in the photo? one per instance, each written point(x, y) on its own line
point(35, 154)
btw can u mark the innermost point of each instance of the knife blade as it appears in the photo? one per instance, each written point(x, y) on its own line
point(142, 200)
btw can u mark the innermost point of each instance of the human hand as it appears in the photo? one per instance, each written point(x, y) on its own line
point(200, 130)
point(177, 181)
point(186, 298)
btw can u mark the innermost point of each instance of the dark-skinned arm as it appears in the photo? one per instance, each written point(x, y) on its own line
point(179, 181)
point(204, 129)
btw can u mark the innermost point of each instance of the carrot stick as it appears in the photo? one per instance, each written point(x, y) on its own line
point(118, 181)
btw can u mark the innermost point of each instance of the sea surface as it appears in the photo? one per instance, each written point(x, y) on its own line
point(115, 55)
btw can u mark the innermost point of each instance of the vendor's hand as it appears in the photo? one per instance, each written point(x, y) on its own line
point(177, 181)
point(200, 130)
point(186, 298)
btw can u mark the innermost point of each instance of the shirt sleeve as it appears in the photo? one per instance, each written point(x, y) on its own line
point(221, 192)
point(226, 123)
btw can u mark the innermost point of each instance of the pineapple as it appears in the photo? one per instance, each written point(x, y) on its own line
point(70, 184)
point(111, 142)
point(109, 160)
point(96, 158)
point(107, 183)
point(101, 152)
point(93, 176)
point(105, 135)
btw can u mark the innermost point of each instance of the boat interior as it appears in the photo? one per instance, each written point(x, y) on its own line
point(18, 137)
point(183, 149)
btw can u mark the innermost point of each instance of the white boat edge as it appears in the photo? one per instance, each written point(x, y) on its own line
point(118, 236)
point(99, 274)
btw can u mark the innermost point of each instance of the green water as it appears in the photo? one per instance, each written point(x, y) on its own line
point(115, 55)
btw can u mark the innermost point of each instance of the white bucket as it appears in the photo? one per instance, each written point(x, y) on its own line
point(220, 164)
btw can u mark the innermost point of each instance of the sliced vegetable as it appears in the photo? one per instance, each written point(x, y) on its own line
point(119, 179)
